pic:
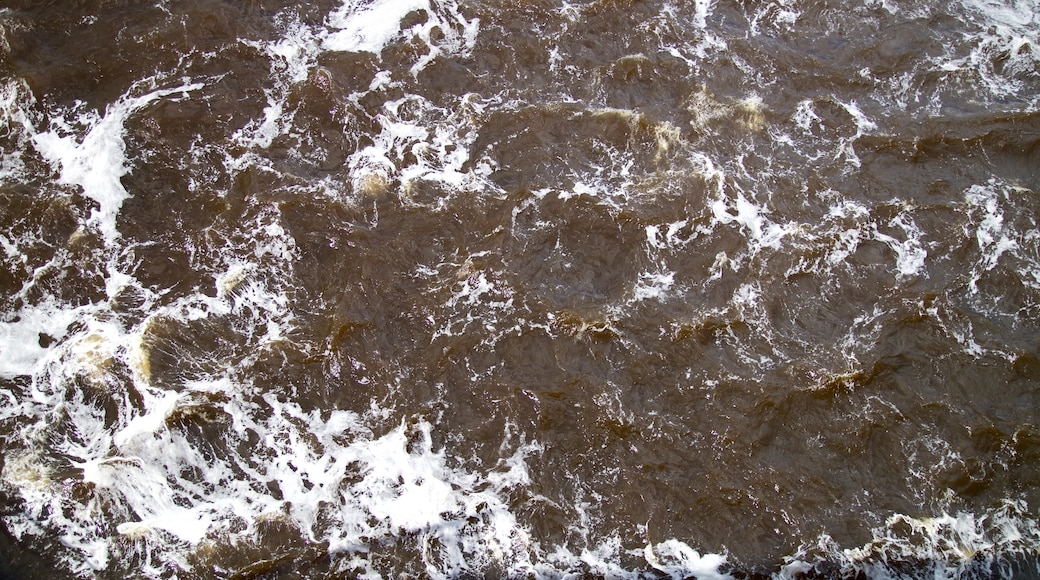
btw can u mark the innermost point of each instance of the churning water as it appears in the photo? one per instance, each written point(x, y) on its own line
point(538, 289)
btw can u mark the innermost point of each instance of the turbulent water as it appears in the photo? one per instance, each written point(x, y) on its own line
point(539, 289)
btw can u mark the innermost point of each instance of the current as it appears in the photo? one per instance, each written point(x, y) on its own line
point(540, 289)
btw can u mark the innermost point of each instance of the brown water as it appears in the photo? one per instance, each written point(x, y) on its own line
point(520, 289)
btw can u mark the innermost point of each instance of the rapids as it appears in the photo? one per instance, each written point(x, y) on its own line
point(538, 289)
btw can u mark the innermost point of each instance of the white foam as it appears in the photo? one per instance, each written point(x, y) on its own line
point(950, 545)
point(701, 10)
point(426, 492)
point(161, 489)
point(997, 55)
point(1019, 15)
point(579, 189)
point(693, 54)
point(778, 14)
point(20, 349)
point(888, 5)
point(761, 231)
point(475, 293)
point(804, 116)
point(28, 472)
point(435, 141)
point(356, 26)
point(16, 105)
point(292, 57)
point(158, 407)
point(369, 26)
point(141, 468)
point(992, 236)
point(653, 286)
point(96, 162)
point(671, 239)
point(910, 254)
point(864, 126)
point(33, 478)
point(142, 486)
point(678, 560)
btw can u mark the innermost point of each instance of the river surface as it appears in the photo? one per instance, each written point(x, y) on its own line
point(520, 289)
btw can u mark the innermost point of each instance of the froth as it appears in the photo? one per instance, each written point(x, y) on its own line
point(948, 546)
point(96, 161)
point(16, 104)
point(369, 27)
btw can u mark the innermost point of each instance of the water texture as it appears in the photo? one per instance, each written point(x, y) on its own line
point(541, 289)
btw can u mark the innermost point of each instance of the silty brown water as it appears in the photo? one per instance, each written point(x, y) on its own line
point(498, 289)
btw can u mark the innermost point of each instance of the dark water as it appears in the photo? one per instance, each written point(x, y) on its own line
point(520, 289)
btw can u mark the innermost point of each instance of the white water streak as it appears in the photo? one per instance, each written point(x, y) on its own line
point(96, 162)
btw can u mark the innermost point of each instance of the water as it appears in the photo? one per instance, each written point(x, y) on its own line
point(520, 289)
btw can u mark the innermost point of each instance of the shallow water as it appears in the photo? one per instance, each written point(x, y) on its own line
point(520, 289)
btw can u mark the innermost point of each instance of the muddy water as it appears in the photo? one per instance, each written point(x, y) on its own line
point(538, 289)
